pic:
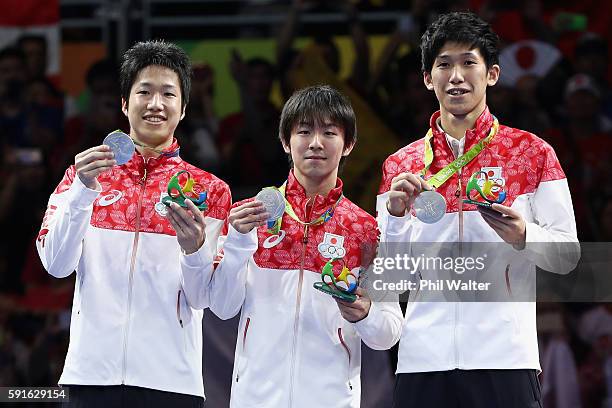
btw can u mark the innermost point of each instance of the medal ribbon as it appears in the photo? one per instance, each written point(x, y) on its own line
point(158, 151)
point(443, 175)
point(275, 226)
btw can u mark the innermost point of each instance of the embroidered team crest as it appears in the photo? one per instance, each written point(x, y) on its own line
point(332, 246)
point(109, 197)
point(495, 175)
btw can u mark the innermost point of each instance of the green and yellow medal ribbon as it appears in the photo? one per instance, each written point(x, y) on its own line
point(447, 172)
point(275, 226)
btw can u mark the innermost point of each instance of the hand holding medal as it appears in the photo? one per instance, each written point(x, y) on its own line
point(116, 149)
point(122, 146)
point(430, 206)
point(274, 203)
point(405, 188)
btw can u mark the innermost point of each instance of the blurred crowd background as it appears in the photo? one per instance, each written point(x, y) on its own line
point(59, 95)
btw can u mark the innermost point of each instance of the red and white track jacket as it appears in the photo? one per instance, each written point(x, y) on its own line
point(136, 318)
point(440, 336)
point(294, 349)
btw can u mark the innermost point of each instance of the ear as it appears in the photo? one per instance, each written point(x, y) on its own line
point(428, 81)
point(348, 149)
point(286, 147)
point(493, 75)
point(124, 107)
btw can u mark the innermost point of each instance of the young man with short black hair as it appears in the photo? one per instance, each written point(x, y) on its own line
point(297, 347)
point(470, 354)
point(136, 324)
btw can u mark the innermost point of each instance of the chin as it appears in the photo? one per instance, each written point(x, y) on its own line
point(315, 173)
point(153, 137)
point(459, 110)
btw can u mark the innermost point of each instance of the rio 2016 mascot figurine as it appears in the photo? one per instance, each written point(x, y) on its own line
point(190, 190)
point(338, 284)
point(491, 192)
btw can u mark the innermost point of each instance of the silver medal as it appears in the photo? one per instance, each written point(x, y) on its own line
point(429, 207)
point(121, 145)
point(273, 201)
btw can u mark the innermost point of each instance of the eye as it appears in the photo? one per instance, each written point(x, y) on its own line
point(169, 95)
point(443, 65)
point(142, 92)
point(470, 62)
point(303, 132)
point(330, 133)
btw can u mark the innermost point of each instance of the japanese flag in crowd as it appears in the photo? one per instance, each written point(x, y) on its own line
point(36, 17)
point(529, 57)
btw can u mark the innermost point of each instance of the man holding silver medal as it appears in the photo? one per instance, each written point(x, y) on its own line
point(299, 347)
point(136, 324)
point(476, 354)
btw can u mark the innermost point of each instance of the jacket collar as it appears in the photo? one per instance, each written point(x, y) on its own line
point(472, 136)
point(169, 157)
point(443, 154)
point(296, 195)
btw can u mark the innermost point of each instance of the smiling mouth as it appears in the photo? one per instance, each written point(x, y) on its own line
point(457, 92)
point(316, 158)
point(154, 119)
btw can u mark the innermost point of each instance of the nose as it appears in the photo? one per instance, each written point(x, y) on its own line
point(456, 75)
point(155, 103)
point(316, 142)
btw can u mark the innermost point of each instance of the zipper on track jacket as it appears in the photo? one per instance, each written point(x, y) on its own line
point(143, 182)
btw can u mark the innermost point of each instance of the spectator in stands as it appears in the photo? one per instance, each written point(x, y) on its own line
point(249, 137)
point(324, 45)
point(34, 47)
point(198, 131)
point(100, 117)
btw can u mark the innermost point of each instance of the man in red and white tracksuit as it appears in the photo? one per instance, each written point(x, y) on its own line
point(475, 354)
point(298, 347)
point(136, 324)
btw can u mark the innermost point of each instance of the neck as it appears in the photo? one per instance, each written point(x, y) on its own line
point(456, 125)
point(316, 186)
point(150, 149)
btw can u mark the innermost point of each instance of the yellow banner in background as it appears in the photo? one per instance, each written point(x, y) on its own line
point(375, 140)
point(218, 53)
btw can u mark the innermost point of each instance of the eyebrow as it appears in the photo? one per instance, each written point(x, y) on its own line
point(150, 84)
point(465, 54)
point(326, 124)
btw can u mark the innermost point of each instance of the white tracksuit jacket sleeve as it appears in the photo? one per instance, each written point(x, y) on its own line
point(551, 240)
point(228, 283)
point(382, 327)
point(68, 215)
point(197, 268)
point(392, 229)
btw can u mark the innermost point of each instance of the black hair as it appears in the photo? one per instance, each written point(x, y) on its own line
point(317, 104)
point(155, 52)
point(462, 28)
